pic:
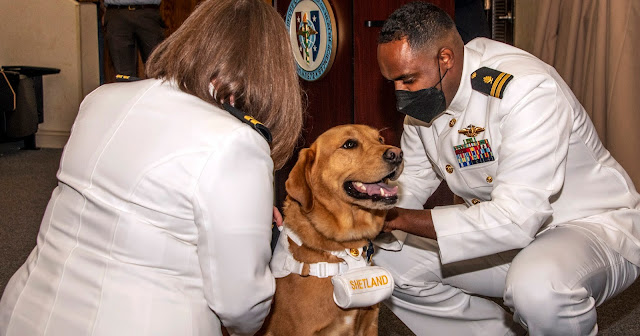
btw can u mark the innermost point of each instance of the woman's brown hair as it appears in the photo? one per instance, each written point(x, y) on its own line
point(244, 46)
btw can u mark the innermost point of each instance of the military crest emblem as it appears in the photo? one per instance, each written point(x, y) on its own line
point(312, 32)
point(308, 37)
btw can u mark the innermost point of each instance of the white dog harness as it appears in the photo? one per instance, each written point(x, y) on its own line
point(355, 282)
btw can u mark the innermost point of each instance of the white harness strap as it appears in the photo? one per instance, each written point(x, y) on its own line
point(283, 263)
point(319, 269)
point(355, 282)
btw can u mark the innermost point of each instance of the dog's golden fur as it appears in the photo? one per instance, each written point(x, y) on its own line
point(327, 217)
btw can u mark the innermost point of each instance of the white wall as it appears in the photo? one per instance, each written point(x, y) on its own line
point(59, 34)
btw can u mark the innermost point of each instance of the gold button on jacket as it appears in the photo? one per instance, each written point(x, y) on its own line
point(449, 169)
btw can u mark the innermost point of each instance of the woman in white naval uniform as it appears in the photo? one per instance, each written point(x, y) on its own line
point(508, 136)
point(161, 221)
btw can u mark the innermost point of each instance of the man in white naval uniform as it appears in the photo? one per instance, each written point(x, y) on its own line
point(551, 222)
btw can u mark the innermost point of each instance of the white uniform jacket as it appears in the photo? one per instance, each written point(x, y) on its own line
point(160, 224)
point(549, 166)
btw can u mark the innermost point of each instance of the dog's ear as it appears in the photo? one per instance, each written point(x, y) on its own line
point(297, 184)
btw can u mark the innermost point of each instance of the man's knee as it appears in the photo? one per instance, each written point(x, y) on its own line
point(532, 299)
point(412, 281)
point(549, 306)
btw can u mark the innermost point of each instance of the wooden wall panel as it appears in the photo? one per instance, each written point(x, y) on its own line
point(174, 12)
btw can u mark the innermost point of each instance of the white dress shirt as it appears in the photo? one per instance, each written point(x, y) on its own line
point(549, 166)
point(160, 224)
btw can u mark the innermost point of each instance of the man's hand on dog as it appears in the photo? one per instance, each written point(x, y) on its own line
point(417, 222)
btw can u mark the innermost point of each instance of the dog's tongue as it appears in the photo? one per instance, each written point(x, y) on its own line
point(379, 188)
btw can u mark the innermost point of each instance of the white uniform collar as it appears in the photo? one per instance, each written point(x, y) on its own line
point(470, 64)
point(283, 263)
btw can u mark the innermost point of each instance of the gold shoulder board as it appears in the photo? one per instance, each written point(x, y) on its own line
point(249, 120)
point(490, 81)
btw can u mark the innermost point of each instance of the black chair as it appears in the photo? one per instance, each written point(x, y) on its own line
point(21, 103)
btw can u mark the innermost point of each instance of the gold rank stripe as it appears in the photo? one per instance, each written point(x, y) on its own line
point(496, 89)
point(252, 120)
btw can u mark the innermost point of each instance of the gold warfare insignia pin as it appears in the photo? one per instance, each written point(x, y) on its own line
point(471, 131)
point(490, 81)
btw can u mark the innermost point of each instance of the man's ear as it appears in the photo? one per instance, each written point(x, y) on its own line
point(298, 184)
point(446, 57)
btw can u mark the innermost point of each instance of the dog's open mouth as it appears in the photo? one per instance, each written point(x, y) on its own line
point(377, 191)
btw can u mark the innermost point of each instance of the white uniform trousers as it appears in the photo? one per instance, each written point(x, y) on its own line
point(553, 286)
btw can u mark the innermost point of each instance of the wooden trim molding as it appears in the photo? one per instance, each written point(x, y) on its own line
point(51, 138)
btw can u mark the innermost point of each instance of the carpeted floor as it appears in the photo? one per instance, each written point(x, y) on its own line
point(27, 179)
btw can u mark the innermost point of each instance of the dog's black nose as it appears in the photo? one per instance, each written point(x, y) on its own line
point(393, 155)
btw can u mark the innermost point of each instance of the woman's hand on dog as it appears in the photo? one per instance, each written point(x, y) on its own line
point(417, 222)
point(277, 217)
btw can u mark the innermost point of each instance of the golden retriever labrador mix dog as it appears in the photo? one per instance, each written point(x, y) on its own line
point(337, 199)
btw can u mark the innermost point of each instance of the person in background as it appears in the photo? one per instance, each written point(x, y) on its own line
point(129, 26)
point(161, 220)
point(551, 221)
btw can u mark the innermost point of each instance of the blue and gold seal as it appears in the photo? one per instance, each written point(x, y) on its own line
point(312, 31)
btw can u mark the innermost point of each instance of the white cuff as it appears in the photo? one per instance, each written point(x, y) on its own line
point(444, 218)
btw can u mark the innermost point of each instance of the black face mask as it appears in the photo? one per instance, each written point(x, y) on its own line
point(425, 104)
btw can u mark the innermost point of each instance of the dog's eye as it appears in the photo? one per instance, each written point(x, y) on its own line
point(381, 139)
point(350, 144)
